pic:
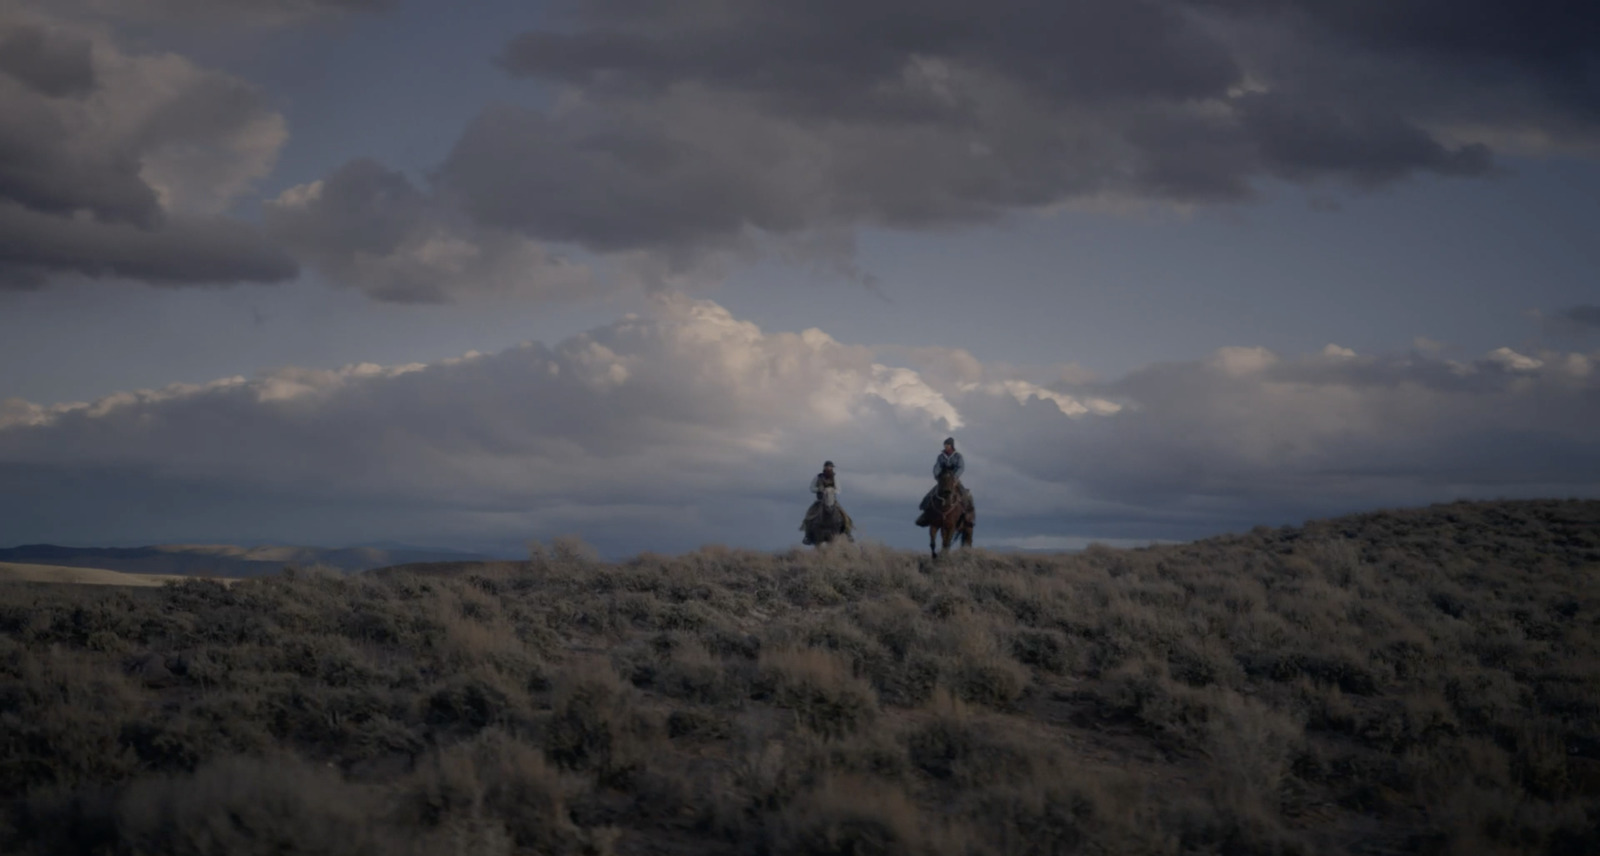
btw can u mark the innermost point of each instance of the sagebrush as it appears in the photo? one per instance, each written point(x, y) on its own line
point(1411, 681)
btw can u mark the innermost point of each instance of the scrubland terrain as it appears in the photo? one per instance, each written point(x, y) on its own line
point(1419, 681)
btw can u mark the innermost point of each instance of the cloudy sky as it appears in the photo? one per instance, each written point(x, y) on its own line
point(351, 271)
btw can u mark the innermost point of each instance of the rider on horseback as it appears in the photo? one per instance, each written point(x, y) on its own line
point(826, 490)
point(949, 463)
point(823, 480)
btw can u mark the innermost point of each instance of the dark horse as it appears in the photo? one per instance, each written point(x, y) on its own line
point(826, 521)
point(949, 516)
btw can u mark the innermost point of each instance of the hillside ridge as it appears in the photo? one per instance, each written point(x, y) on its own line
point(1417, 681)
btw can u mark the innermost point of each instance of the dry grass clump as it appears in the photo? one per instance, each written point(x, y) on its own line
point(686, 669)
point(967, 751)
point(596, 725)
point(818, 687)
point(495, 787)
point(1413, 681)
point(228, 805)
point(248, 807)
point(847, 815)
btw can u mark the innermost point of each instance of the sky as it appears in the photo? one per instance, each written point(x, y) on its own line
point(338, 272)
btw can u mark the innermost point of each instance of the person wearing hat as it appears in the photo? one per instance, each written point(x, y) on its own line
point(951, 462)
point(823, 480)
point(825, 489)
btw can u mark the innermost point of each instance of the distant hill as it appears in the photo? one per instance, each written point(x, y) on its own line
point(222, 560)
point(456, 567)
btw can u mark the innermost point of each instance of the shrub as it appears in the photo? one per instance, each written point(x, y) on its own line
point(909, 682)
point(595, 726)
point(989, 679)
point(241, 807)
point(1024, 821)
point(62, 721)
point(970, 752)
point(1049, 650)
point(1416, 679)
point(849, 816)
point(693, 724)
point(691, 673)
point(819, 688)
point(474, 701)
point(498, 779)
point(1250, 747)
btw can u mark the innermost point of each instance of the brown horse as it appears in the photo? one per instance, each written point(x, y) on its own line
point(949, 517)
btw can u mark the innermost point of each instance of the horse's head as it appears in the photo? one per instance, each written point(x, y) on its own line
point(947, 482)
point(829, 497)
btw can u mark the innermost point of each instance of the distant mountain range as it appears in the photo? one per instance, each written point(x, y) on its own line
point(226, 560)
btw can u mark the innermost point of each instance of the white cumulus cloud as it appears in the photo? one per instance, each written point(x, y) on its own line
point(687, 424)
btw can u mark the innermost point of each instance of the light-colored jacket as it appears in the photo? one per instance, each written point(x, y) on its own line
point(951, 462)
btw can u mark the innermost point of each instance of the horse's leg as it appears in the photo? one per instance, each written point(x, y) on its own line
point(931, 530)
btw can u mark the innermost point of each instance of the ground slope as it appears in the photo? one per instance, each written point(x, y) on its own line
point(219, 560)
point(1424, 681)
point(21, 573)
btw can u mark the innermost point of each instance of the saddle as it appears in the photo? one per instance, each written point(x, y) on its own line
point(934, 501)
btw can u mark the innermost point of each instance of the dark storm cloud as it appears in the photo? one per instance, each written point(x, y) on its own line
point(49, 62)
point(821, 57)
point(35, 248)
point(363, 208)
point(120, 165)
point(285, 8)
point(288, 6)
point(703, 121)
point(611, 183)
point(1586, 315)
point(247, 13)
point(1298, 141)
point(696, 125)
point(687, 136)
point(41, 171)
point(369, 227)
point(1554, 43)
